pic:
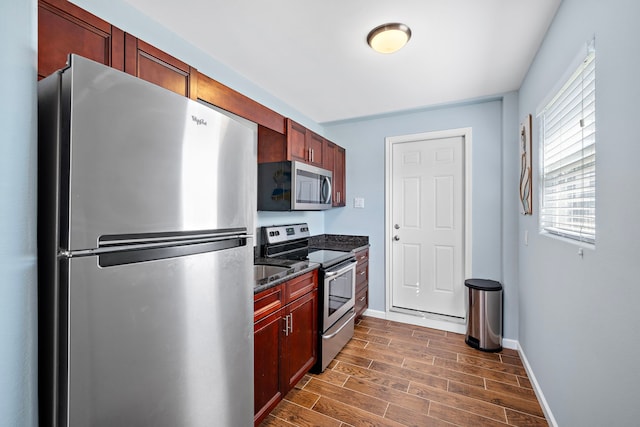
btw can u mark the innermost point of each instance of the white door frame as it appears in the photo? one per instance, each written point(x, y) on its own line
point(427, 319)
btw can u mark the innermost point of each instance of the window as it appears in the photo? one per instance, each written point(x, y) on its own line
point(569, 156)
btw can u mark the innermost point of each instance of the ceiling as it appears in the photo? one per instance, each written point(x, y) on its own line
point(313, 55)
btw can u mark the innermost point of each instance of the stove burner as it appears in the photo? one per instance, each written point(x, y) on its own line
point(327, 258)
point(292, 242)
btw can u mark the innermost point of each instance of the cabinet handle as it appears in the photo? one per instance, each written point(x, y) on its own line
point(363, 257)
point(286, 325)
point(362, 299)
point(362, 273)
point(291, 323)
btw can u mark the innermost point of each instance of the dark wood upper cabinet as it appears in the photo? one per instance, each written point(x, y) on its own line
point(339, 177)
point(217, 94)
point(153, 65)
point(296, 141)
point(304, 145)
point(315, 148)
point(64, 28)
point(272, 146)
point(334, 160)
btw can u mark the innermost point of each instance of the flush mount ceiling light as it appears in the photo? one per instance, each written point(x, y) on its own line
point(388, 38)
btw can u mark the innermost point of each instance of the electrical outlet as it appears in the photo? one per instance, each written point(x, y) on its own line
point(358, 202)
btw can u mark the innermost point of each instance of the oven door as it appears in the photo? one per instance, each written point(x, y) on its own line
point(339, 292)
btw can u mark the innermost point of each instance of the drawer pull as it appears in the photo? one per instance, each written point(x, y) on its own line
point(362, 273)
point(362, 299)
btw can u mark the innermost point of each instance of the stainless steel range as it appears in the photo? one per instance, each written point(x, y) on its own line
point(336, 287)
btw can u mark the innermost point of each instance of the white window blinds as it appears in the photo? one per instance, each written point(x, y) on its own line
point(569, 155)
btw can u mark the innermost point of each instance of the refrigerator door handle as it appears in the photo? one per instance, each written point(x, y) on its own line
point(141, 253)
point(164, 238)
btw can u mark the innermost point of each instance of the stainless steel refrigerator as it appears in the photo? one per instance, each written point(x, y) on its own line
point(145, 231)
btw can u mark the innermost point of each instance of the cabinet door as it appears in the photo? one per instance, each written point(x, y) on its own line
point(339, 179)
point(300, 347)
point(153, 65)
point(64, 28)
point(328, 157)
point(296, 144)
point(314, 145)
point(267, 337)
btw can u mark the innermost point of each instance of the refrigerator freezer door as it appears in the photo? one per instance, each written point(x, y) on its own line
point(145, 160)
point(161, 343)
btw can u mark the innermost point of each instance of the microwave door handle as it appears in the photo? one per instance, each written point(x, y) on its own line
point(327, 183)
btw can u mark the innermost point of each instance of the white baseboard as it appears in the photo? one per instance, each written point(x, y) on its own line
point(506, 343)
point(509, 343)
point(459, 328)
point(536, 388)
point(375, 313)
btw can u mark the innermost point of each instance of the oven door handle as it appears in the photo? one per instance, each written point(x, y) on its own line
point(341, 270)
point(328, 337)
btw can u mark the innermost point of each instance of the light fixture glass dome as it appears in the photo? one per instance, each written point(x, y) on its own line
point(389, 38)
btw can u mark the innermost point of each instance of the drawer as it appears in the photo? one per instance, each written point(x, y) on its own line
point(362, 273)
point(362, 301)
point(362, 256)
point(299, 286)
point(266, 302)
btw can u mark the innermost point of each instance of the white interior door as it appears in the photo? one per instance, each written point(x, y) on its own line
point(428, 225)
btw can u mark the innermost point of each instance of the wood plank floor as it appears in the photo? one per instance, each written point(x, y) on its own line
point(394, 374)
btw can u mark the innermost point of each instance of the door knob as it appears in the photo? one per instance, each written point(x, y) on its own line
point(397, 227)
point(396, 238)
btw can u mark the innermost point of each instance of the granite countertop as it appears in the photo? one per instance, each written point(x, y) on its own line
point(339, 242)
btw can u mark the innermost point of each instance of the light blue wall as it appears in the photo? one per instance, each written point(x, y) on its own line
point(18, 276)
point(364, 141)
point(579, 316)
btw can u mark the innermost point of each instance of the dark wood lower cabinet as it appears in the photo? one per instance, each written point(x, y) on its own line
point(362, 282)
point(299, 349)
point(267, 342)
point(285, 339)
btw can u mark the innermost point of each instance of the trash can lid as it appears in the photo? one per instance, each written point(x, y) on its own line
point(483, 284)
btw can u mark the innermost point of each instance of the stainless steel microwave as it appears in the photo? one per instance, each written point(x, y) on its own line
point(293, 186)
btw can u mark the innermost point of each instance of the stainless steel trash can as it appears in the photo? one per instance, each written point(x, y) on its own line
point(484, 318)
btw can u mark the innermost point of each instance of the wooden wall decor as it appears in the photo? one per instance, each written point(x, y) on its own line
point(526, 197)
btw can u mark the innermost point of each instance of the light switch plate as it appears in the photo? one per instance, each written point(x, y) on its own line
point(358, 202)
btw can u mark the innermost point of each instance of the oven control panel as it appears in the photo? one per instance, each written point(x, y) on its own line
point(285, 233)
